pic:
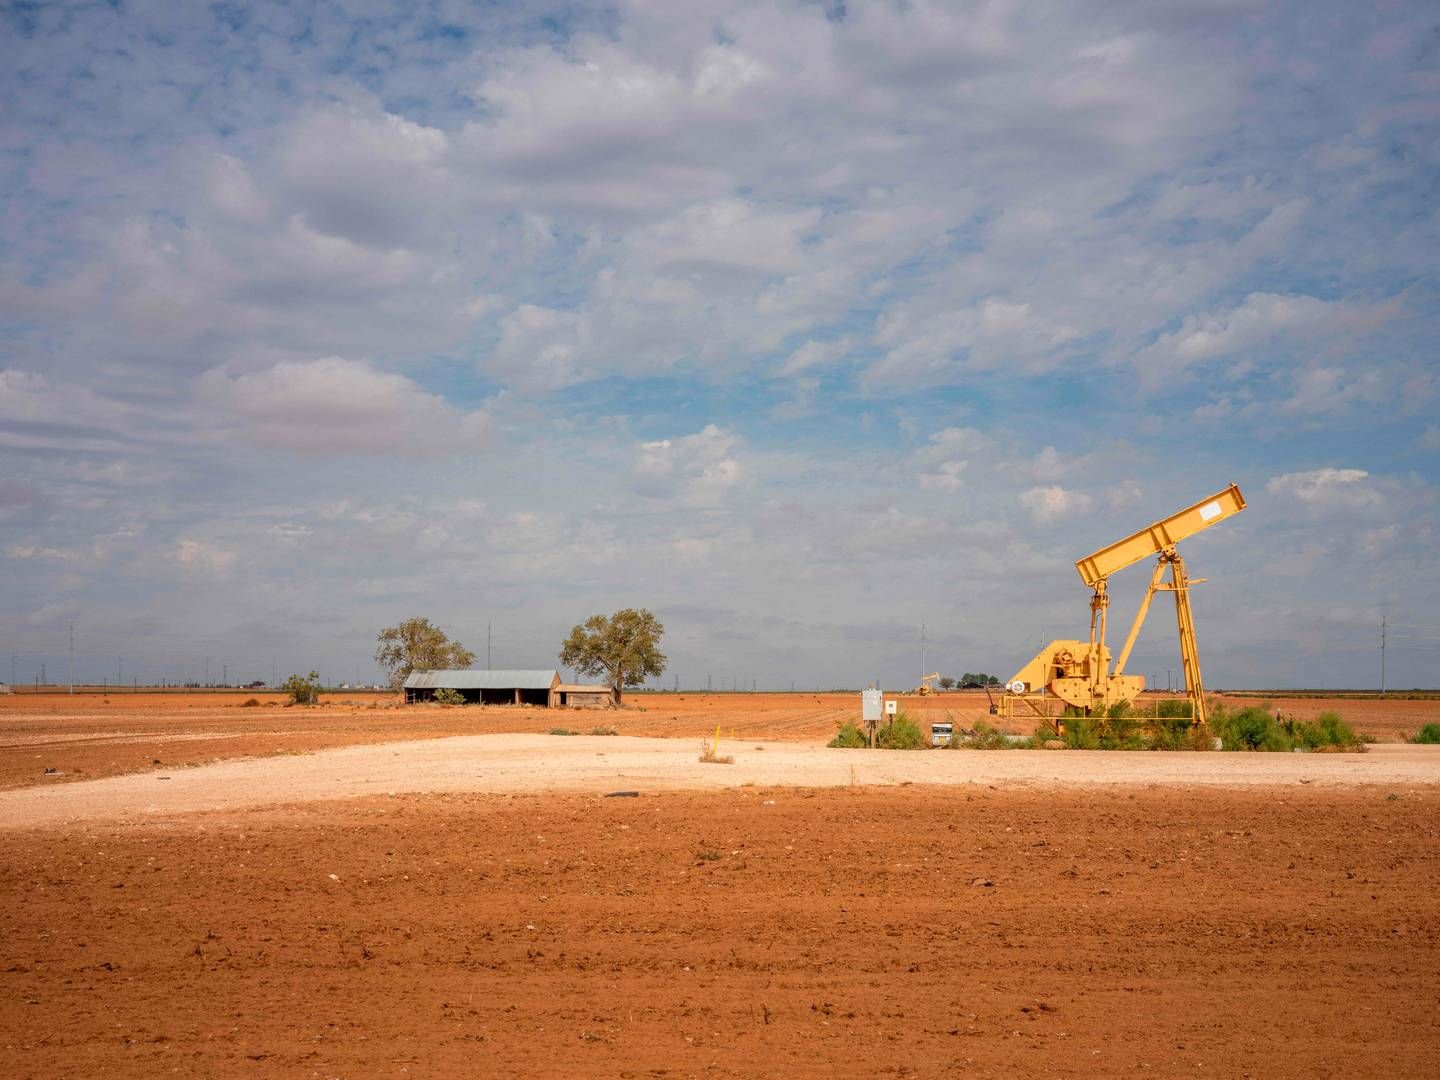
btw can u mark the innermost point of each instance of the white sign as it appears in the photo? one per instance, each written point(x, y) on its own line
point(891, 707)
point(870, 706)
point(1209, 511)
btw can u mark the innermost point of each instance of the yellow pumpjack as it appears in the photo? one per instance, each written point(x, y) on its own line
point(1078, 673)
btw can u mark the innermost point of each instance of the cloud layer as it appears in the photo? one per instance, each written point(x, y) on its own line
point(803, 322)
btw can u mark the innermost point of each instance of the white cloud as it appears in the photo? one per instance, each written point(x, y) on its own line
point(943, 461)
point(948, 476)
point(814, 354)
point(197, 555)
point(698, 470)
point(335, 406)
point(367, 175)
point(726, 236)
point(32, 551)
point(1124, 494)
point(1327, 488)
point(1260, 319)
point(540, 349)
point(1047, 504)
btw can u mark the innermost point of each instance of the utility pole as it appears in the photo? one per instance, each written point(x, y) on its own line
point(1382, 654)
point(225, 678)
point(207, 671)
point(119, 668)
point(922, 651)
point(72, 658)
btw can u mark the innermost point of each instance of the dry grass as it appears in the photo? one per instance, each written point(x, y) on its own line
point(710, 753)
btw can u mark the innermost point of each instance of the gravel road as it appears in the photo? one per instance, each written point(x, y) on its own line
point(514, 763)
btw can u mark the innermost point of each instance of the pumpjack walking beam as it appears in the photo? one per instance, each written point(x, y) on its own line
point(1077, 672)
point(1160, 539)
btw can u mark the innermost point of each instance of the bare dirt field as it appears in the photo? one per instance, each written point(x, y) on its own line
point(754, 932)
point(316, 899)
point(91, 735)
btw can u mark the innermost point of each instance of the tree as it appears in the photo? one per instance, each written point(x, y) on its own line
point(418, 645)
point(625, 648)
point(947, 683)
point(303, 690)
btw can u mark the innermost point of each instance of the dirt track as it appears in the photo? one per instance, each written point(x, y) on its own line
point(596, 764)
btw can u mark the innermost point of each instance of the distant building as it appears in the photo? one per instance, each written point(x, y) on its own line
point(487, 687)
point(479, 687)
point(584, 696)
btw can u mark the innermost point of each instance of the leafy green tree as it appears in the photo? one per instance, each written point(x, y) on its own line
point(624, 648)
point(418, 645)
point(303, 690)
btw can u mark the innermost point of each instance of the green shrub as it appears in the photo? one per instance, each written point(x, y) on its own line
point(1430, 733)
point(901, 733)
point(1250, 728)
point(1044, 732)
point(1121, 729)
point(1169, 733)
point(562, 731)
point(303, 690)
point(1081, 733)
point(447, 696)
point(849, 737)
point(1326, 730)
point(1173, 709)
point(985, 737)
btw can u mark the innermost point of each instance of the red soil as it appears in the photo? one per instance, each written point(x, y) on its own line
point(751, 933)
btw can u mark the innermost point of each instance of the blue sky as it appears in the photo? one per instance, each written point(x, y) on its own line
point(800, 324)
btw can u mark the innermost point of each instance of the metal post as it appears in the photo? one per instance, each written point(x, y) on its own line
point(1382, 654)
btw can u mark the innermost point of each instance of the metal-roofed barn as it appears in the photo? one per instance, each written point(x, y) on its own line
point(486, 687)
